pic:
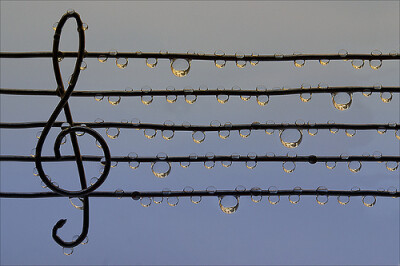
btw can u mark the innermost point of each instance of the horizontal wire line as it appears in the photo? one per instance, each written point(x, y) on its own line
point(242, 158)
point(253, 126)
point(208, 57)
point(205, 193)
point(215, 92)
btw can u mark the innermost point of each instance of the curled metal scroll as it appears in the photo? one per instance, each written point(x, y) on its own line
point(63, 104)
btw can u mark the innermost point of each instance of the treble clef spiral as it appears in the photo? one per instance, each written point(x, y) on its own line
point(63, 104)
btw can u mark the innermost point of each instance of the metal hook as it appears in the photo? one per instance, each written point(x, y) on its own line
point(85, 228)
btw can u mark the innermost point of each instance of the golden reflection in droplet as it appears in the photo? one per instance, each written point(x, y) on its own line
point(339, 102)
point(228, 209)
point(180, 67)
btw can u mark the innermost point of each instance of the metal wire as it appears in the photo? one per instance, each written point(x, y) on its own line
point(213, 92)
point(205, 57)
point(253, 126)
point(205, 193)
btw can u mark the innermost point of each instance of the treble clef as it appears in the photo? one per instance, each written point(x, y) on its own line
point(71, 130)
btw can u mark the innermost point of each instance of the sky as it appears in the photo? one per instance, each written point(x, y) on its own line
point(121, 230)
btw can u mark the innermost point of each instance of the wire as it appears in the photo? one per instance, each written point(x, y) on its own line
point(204, 57)
point(239, 158)
point(205, 193)
point(252, 126)
point(215, 92)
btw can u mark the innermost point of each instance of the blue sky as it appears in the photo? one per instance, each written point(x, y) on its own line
point(122, 231)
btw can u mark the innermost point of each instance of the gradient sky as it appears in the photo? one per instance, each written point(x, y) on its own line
point(122, 231)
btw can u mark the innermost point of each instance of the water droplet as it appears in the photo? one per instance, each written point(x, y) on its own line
point(343, 53)
point(322, 199)
point(291, 138)
point(93, 180)
point(198, 136)
point(273, 199)
point(186, 124)
point(119, 192)
point(369, 201)
point(77, 203)
point(330, 165)
point(256, 194)
point(33, 152)
point(133, 164)
point(35, 171)
point(146, 99)
point(83, 65)
point(70, 11)
point(114, 100)
point(342, 100)
point(121, 62)
point(324, 62)
point(210, 163)
point(171, 98)
point(333, 130)
point(184, 164)
point(253, 163)
point(262, 99)
point(289, 167)
point(357, 63)
point(299, 63)
point(375, 64)
point(343, 202)
point(189, 97)
point(244, 133)
point(85, 26)
point(305, 97)
point(350, 132)
point(168, 134)
point(254, 60)
point(98, 97)
point(268, 130)
point(80, 133)
point(220, 63)
point(229, 204)
point(55, 25)
point(136, 122)
point(215, 123)
point(224, 134)
point(211, 189)
point(397, 134)
point(151, 62)
point(84, 242)
point(367, 93)
point(393, 53)
point(150, 133)
point(294, 199)
point(180, 67)
point(354, 166)
point(102, 58)
point(226, 163)
point(195, 199)
point(172, 201)
point(161, 169)
point(158, 200)
point(145, 202)
point(312, 131)
point(377, 86)
point(392, 165)
point(68, 251)
point(222, 98)
point(113, 132)
point(240, 62)
point(386, 96)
